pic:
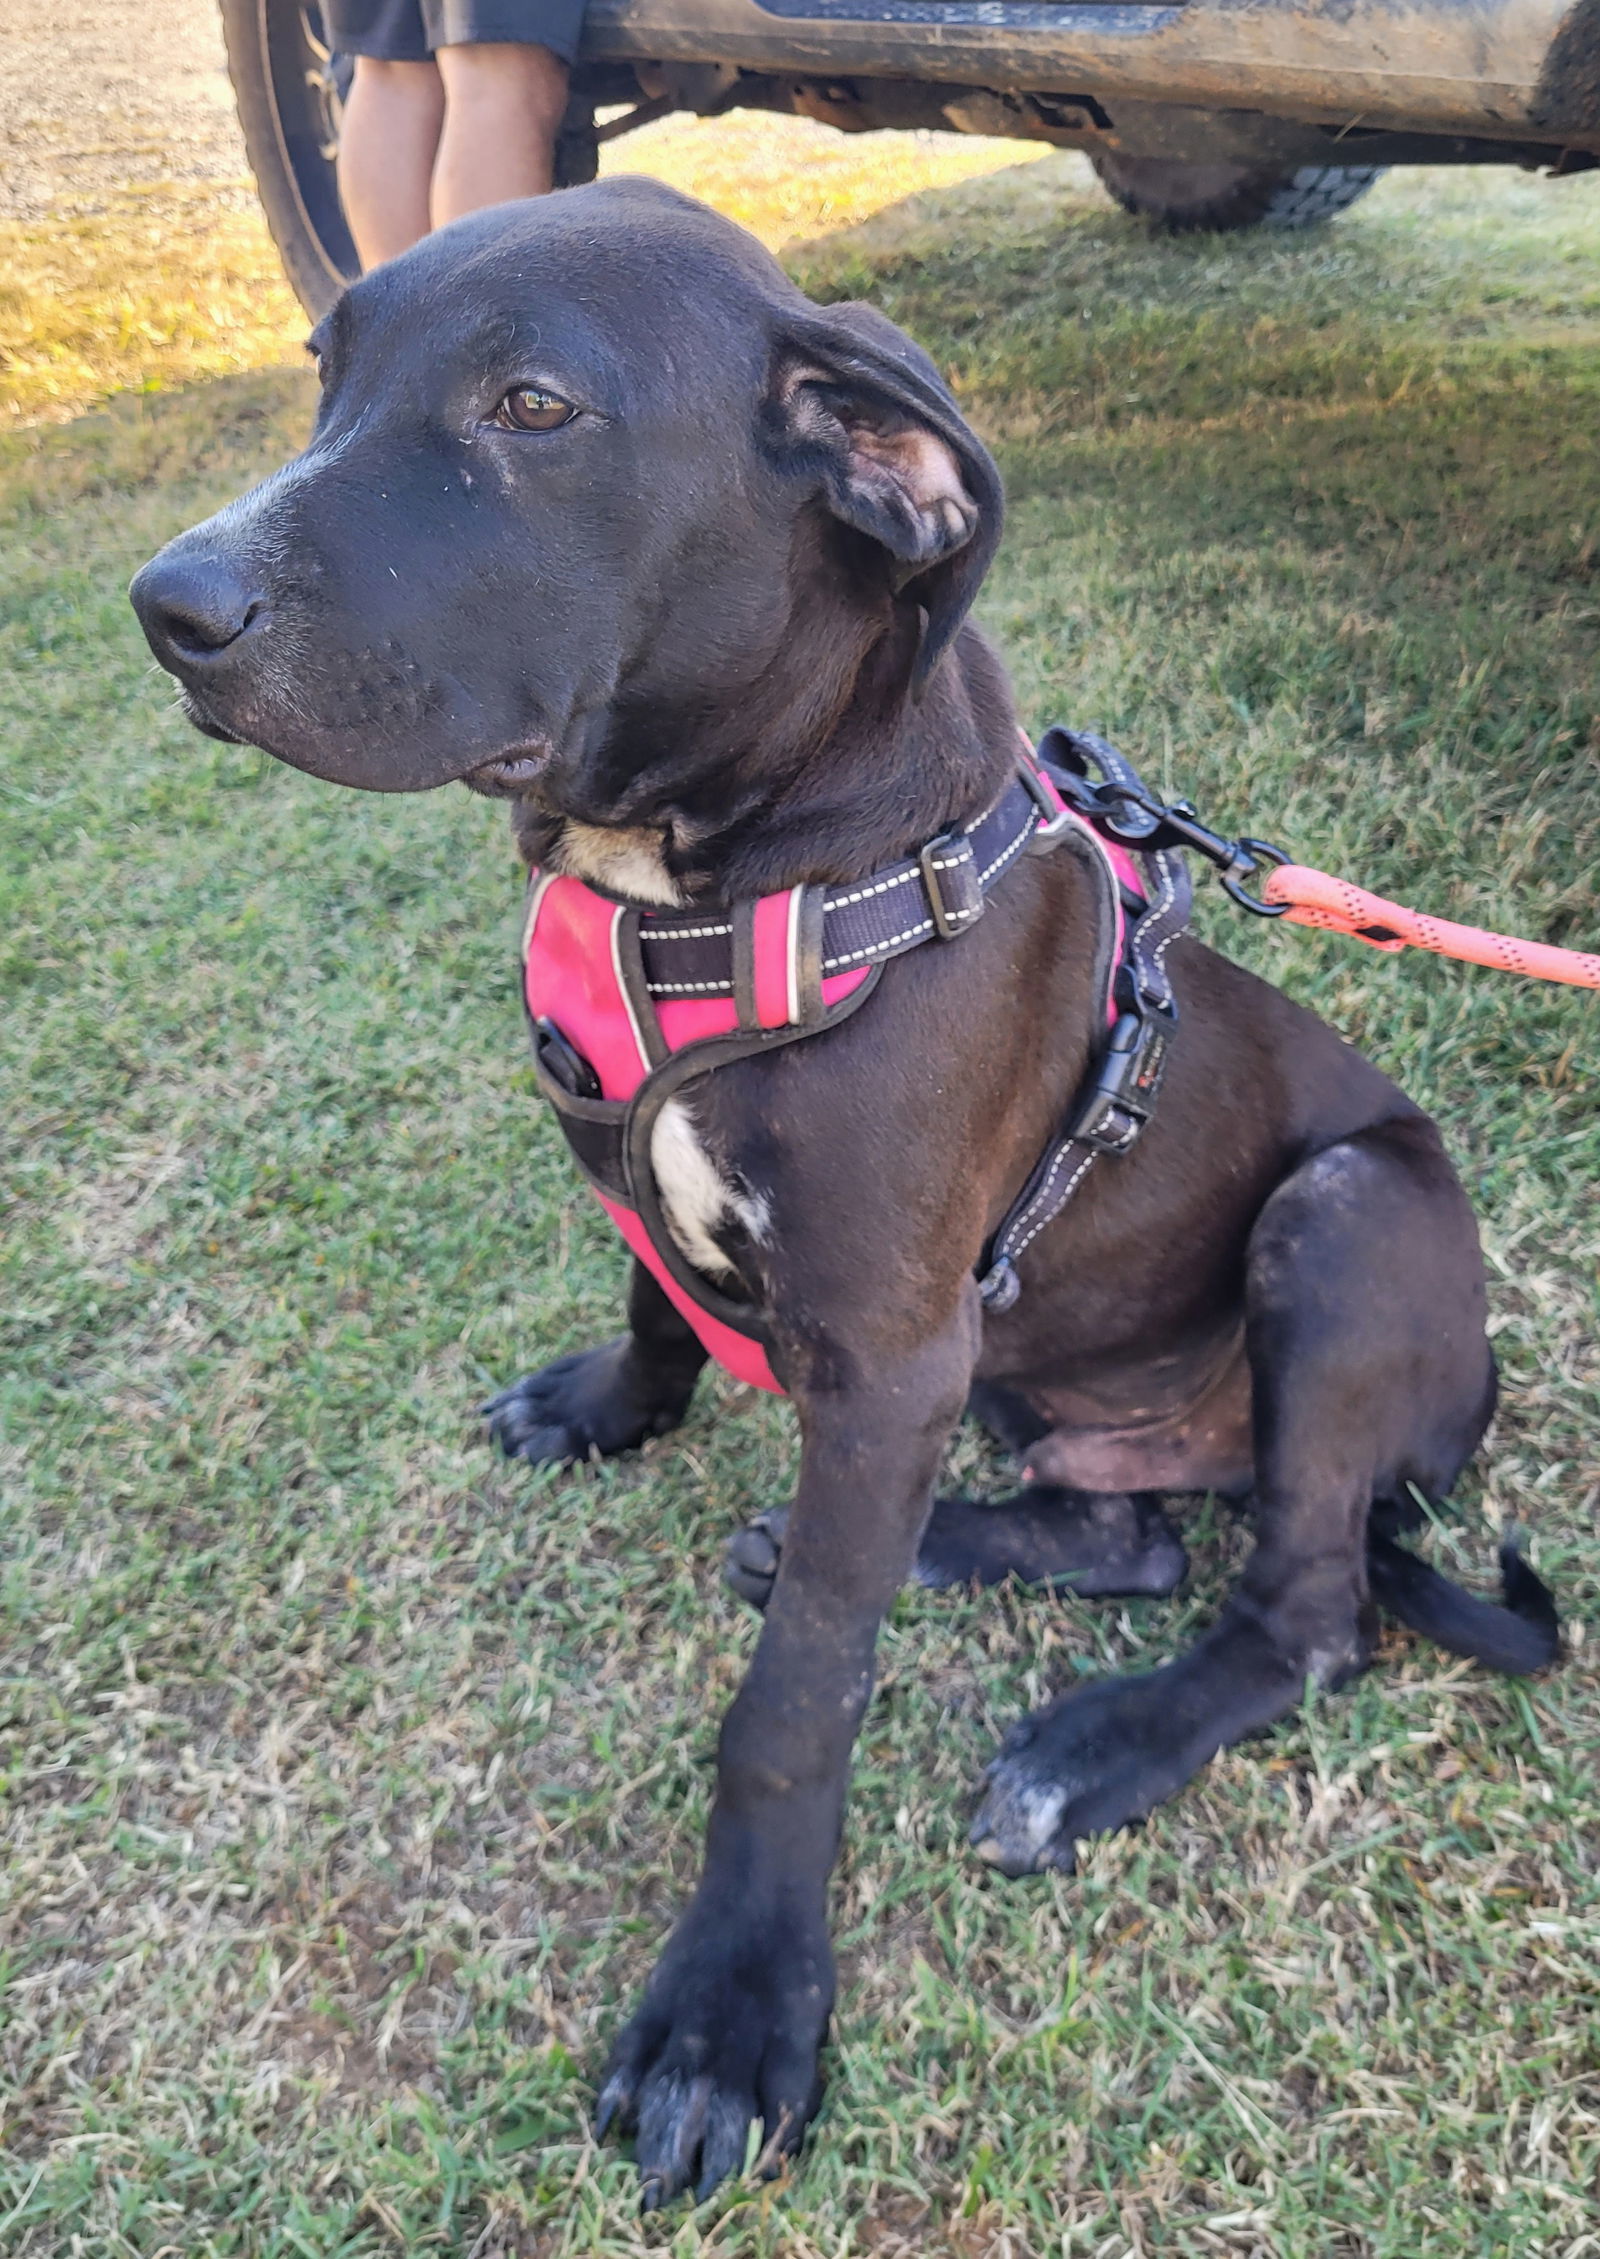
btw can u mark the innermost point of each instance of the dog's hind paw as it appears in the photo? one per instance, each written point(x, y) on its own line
point(1107, 1754)
point(1092, 1761)
point(751, 1560)
point(591, 1404)
point(1090, 1544)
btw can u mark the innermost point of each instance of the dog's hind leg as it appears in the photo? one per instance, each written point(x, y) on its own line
point(1370, 1369)
point(1095, 1544)
point(607, 1399)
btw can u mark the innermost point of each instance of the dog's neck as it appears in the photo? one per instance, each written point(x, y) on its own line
point(819, 777)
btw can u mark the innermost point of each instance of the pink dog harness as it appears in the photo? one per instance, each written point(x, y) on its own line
point(580, 960)
point(628, 1006)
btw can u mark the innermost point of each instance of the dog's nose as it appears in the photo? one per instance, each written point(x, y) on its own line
point(193, 608)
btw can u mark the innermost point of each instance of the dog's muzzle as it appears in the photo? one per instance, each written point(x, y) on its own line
point(383, 723)
point(195, 612)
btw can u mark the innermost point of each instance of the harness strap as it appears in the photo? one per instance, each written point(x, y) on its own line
point(936, 894)
point(1111, 1110)
point(1070, 755)
point(751, 977)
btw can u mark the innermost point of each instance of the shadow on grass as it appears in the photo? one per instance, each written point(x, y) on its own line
point(189, 441)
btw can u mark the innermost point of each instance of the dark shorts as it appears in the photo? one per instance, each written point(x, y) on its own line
point(408, 31)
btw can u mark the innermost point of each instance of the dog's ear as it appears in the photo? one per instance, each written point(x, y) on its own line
point(854, 404)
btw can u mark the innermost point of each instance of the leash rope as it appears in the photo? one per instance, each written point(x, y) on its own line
point(1308, 897)
point(1315, 898)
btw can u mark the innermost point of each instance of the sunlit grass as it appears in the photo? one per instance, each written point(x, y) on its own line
point(788, 180)
point(174, 284)
point(168, 286)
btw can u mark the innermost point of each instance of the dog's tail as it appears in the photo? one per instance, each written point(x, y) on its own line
point(1521, 1633)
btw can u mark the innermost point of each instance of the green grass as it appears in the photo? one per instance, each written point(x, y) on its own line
point(175, 282)
point(350, 1778)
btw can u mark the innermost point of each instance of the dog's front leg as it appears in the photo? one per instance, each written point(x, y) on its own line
point(608, 1399)
point(733, 2020)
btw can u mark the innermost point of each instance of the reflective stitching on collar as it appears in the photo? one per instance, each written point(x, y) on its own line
point(1004, 857)
point(866, 893)
point(832, 964)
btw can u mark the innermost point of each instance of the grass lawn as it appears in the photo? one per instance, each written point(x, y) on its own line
point(350, 1778)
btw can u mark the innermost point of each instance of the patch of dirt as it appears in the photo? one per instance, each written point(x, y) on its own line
point(96, 99)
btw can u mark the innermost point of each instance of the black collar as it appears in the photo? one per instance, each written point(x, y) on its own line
point(938, 892)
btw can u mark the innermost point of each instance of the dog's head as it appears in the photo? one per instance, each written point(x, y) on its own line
point(577, 464)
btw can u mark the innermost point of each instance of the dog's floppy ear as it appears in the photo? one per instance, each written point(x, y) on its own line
point(856, 405)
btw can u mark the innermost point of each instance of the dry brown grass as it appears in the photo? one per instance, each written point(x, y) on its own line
point(171, 285)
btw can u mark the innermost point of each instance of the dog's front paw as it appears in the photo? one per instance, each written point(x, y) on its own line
point(729, 2033)
point(595, 1401)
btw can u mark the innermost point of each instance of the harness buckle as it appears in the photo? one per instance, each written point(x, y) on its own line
point(1000, 1287)
point(951, 882)
point(1125, 1089)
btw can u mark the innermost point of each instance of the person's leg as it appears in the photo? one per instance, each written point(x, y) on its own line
point(504, 102)
point(388, 146)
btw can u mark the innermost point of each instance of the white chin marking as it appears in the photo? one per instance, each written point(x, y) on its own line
point(695, 1194)
point(623, 862)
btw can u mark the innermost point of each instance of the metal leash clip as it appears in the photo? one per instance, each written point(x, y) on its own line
point(1134, 820)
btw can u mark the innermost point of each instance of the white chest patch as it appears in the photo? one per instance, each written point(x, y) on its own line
point(623, 862)
point(697, 1195)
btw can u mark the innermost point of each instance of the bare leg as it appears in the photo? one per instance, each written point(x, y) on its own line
point(387, 147)
point(504, 104)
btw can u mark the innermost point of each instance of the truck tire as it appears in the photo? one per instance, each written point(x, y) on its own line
point(287, 88)
point(290, 94)
point(1221, 198)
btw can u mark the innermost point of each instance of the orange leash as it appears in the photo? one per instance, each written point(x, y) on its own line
point(1313, 898)
point(1121, 810)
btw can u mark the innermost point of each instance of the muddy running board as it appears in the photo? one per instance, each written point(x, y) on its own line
point(1491, 70)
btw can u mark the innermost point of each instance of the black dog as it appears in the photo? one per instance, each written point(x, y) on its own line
point(602, 516)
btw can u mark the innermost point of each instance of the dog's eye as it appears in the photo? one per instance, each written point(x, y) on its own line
point(531, 408)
